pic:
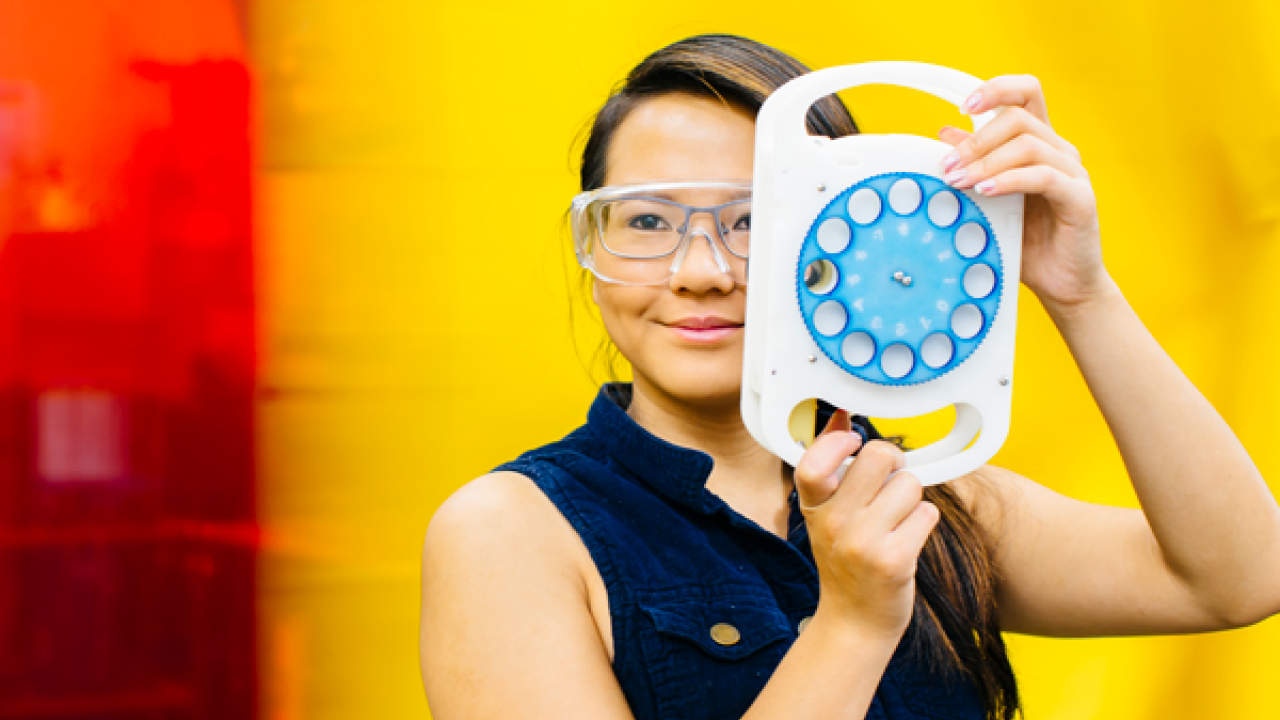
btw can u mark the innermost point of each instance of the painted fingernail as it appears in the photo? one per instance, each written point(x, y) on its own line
point(971, 103)
point(950, 160)
point(955, 177)
point(986, 186)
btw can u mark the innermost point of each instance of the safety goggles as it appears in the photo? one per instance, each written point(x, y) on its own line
point(641, 234)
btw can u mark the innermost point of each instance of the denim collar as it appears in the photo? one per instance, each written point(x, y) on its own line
point(679, 473)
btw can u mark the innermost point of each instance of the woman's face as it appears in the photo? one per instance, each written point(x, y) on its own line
point(683, 338)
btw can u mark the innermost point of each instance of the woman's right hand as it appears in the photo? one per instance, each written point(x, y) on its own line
point(866, 528)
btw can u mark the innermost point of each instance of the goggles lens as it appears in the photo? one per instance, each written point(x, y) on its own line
point(638, 239)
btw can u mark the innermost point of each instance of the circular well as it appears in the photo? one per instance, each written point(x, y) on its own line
point(937, 350)
point(833, 235)
point(830, 318)
point(944, 208)
point(971, 239)
point(967, 321)
point(821, 276)
point(904, 196)
point(979, 280)
point(897, 361)
point(864, 206)
point(858, 349)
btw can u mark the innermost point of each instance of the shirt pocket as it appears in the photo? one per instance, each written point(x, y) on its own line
point(709, 653)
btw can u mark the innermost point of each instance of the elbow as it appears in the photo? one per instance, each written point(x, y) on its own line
point(1249, 609)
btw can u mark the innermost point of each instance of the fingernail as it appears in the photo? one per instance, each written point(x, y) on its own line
point(986, 186)
point(950, 160)
point(955, 177)
point(944, 130)
point(971, 103)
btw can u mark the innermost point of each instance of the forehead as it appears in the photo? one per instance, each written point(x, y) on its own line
point(678, 136)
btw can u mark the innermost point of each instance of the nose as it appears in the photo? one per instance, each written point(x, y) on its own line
point(700, 266)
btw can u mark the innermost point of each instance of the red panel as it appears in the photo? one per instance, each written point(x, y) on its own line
point(127, 521)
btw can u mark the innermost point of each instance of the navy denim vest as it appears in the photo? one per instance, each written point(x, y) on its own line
point(677, 562)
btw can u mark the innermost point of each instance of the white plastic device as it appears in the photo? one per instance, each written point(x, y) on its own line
point(864, 276)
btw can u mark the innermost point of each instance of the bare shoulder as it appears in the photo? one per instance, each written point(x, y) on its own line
point(498, 519)
point(506, 609)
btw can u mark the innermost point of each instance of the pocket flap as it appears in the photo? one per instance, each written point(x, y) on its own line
point(723, 627)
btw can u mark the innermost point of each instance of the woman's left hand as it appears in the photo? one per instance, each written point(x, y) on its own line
point(1019, 152)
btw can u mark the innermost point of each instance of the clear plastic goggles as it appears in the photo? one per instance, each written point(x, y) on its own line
point(641, 234)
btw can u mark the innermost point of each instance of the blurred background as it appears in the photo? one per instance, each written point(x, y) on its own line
point(278, 276)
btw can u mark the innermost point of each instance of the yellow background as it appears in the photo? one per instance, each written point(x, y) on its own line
point(415, 164)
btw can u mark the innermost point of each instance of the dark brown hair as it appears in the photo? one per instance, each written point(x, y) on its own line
point(954, 627)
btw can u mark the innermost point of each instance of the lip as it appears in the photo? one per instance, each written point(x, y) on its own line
point(704, 330)
point(706, 322)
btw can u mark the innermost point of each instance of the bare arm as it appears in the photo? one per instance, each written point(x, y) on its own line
point(1204, 551)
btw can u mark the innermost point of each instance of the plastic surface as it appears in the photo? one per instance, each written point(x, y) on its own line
point(874, 286)
point(898, 278)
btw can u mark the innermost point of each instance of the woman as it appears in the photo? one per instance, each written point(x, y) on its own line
point(659, 563)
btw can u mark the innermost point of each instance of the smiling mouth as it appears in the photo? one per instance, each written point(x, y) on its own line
point(696, 324)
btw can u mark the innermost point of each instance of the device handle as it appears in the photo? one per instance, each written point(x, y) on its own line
point(785, 110)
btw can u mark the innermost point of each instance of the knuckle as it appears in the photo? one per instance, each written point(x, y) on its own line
point(1028, 144)
point(880, 452)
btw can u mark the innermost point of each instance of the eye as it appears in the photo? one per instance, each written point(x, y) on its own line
point(648, 222)
point(743, 224)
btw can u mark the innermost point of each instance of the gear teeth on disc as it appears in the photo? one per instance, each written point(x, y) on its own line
point(890, 267)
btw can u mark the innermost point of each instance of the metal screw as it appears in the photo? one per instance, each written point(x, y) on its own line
point(822, 187)
point(898, 276)
point(1004, 381)
point(906, 281)
point(813, 359)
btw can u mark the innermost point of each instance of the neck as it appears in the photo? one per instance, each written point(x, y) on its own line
point(745, 475)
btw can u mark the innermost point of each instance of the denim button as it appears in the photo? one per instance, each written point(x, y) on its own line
point(725, 634)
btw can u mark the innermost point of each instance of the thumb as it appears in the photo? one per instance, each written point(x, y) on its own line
point(818, 474)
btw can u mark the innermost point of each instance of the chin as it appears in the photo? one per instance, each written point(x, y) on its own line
point(708, 389)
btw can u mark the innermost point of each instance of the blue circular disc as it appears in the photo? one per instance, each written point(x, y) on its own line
point(901, 279)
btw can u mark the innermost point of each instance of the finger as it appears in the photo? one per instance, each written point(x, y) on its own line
point(817, 475)
point(1022, 91)
point(896, 499)
point(1022, 151)
point(867, 474)
point(838, 422)
point(913, 531)
point(1007, 126)
point(1059, 189)
point(953, 135)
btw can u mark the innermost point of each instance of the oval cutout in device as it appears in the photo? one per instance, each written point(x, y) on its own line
point(904, 196)
point(833, 235)
point(944, 208)
point(858, 349)
point(971, 240)
point(979, 280)
point(830, 318)
point(864, 206)
point(937, 350)
point(967, 321)
point(821, 276)
point(897, 361)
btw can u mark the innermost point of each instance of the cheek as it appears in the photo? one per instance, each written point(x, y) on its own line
point(622, 308)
